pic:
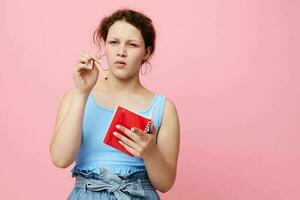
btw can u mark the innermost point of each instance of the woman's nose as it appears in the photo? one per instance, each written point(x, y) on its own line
point(121, 51)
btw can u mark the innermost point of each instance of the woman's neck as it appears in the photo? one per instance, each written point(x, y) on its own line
point(121, 86)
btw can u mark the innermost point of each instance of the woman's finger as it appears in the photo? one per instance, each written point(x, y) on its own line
point(85, 55)
point(80, 67)
point(95, 58)
point(90, 60)
point(142, 135)
point(83, 60)
point(128, 141)
point(130, 149)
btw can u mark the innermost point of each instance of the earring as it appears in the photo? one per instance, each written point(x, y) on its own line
point(143, 73)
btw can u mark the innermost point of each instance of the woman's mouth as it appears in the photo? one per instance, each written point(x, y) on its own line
point(120, 63)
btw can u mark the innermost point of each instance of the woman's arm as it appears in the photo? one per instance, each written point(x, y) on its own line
point(161, 165)
point(66, 138)
point(161, 159)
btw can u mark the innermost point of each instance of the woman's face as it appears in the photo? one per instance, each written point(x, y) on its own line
point(125, 43)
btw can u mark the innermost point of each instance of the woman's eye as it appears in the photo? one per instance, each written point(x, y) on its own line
point(112, 42)
point(134, 45)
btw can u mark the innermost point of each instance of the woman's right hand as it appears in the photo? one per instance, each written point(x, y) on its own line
point(86, 72)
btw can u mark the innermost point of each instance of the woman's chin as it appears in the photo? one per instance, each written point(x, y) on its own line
point(123, 74)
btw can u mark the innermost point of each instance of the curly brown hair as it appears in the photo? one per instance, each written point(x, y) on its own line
point(135, 18)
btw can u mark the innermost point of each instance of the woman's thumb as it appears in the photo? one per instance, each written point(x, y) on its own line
point(152, 128)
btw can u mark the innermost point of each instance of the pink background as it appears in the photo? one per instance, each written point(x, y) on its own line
point(231, 67)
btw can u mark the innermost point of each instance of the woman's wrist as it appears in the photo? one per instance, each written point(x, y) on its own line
point(79, 93)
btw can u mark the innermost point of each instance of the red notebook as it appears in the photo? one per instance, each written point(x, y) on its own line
point(128, 119)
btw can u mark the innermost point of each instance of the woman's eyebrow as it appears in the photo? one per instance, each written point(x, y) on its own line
point(131, 40)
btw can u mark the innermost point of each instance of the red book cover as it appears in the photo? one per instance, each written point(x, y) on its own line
point(128, 119)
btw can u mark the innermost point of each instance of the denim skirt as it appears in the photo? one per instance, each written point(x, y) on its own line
point(109, 186)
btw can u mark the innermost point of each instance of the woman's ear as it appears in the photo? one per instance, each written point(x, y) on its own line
point(147, 54)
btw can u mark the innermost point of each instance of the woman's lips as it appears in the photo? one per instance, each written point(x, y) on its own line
point(120, 64)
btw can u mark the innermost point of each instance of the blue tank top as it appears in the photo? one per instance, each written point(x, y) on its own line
point(93, 154)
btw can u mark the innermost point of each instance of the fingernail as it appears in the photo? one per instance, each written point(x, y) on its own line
point(118, 126)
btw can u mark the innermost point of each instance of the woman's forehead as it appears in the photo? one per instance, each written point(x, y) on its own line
point(124, 30)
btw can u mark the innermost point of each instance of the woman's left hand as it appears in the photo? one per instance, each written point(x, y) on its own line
point(139, 144)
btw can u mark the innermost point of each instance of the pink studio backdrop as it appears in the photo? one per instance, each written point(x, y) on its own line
point(231, 67)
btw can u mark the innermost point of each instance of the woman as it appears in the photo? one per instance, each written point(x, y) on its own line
point(85, 111)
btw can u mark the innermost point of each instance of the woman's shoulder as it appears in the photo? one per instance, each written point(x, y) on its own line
point(169, 104)
point(168, 101)
point(163, 96)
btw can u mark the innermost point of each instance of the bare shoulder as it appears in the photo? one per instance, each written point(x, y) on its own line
point(170, 112)
point(170, 106)
point(170, 119)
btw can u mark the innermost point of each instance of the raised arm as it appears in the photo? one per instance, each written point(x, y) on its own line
point(66, 137)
